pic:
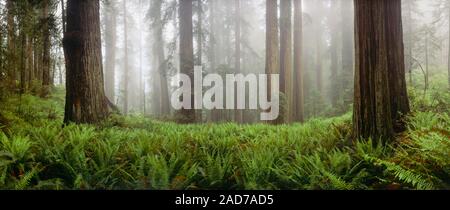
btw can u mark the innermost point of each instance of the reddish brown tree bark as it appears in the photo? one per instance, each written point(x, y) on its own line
point(380, 93)
point(272, 45)
point(187, 54)
point(286, 79)
point(85, 98)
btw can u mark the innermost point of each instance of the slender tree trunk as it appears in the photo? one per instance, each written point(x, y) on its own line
point(126, 70)
point(228, 115)
point(163, 106)
point(298, 70)
point(23, 83)
point(60, 73)
point(409, 59)
point(30, 57)
point(215, 113)
point(11, 56)
point(272, 45)
point(228, 36)
point(334, 82)
point(46, 80)
point(86, 101)
point(347, 52)
point(199, 32)
point(36, 60)
point(110, 48)
point(63, 15)
point(286, 58)
point(1, 58)
point(199, 113)
point(141, 73)
point(426, 62)
point(319, 63)
point(187, 54)
point(239, 114)
point(448, 67)
point(380, 87)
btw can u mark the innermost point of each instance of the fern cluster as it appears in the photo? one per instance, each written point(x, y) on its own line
point(36, 152)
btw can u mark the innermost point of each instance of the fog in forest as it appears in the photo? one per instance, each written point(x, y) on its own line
point(141, 50)
point(224, 95)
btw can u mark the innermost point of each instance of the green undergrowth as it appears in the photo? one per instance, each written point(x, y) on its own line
point(37, 152)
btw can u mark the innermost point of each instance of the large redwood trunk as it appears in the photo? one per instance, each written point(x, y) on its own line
point(187, 54)
point(396, 64)
point(85, 98)
point(380, 90)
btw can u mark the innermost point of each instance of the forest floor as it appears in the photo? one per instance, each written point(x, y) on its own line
point(134, 152)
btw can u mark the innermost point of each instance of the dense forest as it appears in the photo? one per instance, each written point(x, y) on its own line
point(225, 94)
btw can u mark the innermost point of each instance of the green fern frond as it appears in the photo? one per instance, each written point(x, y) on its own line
point(404, 175)
point(25, 180)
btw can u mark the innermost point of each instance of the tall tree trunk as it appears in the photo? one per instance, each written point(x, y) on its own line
point(63, 16)
point(448, 67)
point(396, 62)
point(46, 80)
point(36, 53)
point(272, 47)
point(239, 114)
point(22, 35)
point(409, 60)
point(86, 101)
point(334, 82)
point(126, 70)
point(318, 30)
point(228, 115)
point(110, 48)
point(161, 66)
point(61, 82)
point(379, 80)
point(286, 58)
point(199, 32)
point(347, 52)
point(227, 34)
point(1, 58)
point(215, 113)
point(298, 70)
point(199, 113)
point(11, 56)
point(30, 65)
point(187, 54)
point(427, 63)
point(141, 73)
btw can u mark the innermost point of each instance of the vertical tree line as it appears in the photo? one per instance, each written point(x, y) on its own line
point(380, 86)
point(86, 101)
